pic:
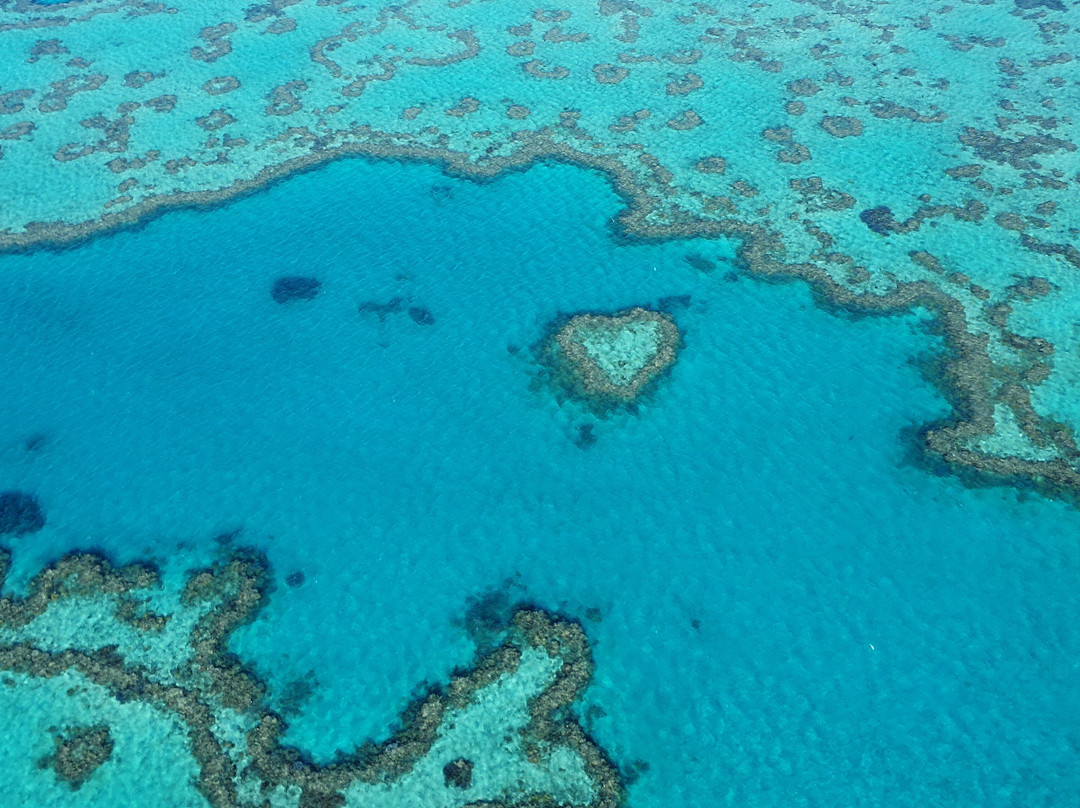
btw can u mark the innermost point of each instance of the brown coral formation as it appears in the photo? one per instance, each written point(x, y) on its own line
point(217, 44)
point(607, 361)
point(685, 84)
point(78, 753)
point(57, 98)
point(607, 73)
point(842, 126)
point(538, 69)
point(230, 594)
point(219, 85)
point(285, 99)
point(688, 119)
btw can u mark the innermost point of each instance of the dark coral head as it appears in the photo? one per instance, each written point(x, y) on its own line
point(20, 513)
point(879, 219)
point(458, 773)
point(295, 287)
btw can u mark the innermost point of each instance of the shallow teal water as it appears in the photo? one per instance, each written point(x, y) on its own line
point(866, 634)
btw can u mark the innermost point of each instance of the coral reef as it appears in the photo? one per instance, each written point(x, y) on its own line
point(907, 136)
point(78, 753)
point(608, 360)
point(499, 731)
point(458, 773)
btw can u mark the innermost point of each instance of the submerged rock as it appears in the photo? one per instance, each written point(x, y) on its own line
point(295, 579)
point(1053, 5)
point(295, 287)
point(585, 437)
point(382, 310)
point(700, 263)
point(608, 361)
point(421, 315)
point(458, 773)
point(879, 219)
point(20, 513)
point(673, 302)
point(35, 442)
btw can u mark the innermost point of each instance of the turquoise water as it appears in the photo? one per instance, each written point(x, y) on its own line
point(791, 613)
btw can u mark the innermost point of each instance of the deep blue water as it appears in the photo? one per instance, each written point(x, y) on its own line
point(866, 634)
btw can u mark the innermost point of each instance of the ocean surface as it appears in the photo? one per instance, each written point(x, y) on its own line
point(784, 608)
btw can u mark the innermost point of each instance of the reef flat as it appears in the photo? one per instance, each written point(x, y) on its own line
point(894, 155)
point(105, 649)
